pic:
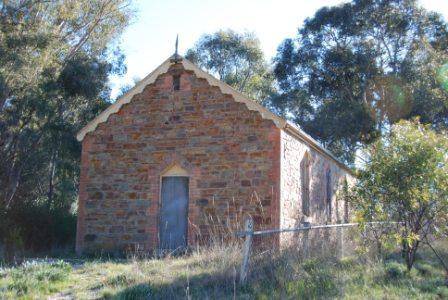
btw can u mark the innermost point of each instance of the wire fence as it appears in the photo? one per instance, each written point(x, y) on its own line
point(310, 240)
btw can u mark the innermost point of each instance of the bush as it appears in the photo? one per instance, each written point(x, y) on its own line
point(395, 270)
point(431, 286)
point(315, 282)
point(424, 268)
point(36, 228)
point(442, 292)
point(346, 262)
point(121, 280)
point(139, 291)
point(405, 175)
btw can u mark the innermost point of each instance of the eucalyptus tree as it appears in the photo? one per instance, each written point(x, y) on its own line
point(355, 69)
point(55, 59)
point(237, 59)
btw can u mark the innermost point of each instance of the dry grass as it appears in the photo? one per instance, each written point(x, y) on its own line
point(212, 273)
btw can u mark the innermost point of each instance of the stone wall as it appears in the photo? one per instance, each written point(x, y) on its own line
point(291, 214)
point(230, 153)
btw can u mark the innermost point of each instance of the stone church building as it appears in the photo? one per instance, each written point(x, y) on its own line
point(183, 153)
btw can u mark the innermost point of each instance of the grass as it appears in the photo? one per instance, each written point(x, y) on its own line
point(213, 274)
point(34, 278)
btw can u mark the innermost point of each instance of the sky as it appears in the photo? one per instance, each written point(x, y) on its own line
point(150, 38)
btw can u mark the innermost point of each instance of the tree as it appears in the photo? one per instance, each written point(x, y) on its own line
point(235, 58)
point(405, 180)
point(362, 66)
point(55, 60)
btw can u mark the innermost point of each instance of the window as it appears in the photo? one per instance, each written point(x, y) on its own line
point(305, 184)
point(329, 194)
point(176, 82)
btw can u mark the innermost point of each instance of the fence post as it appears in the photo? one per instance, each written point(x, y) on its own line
point(305, 240)
point(249, 229)
point(341, 240)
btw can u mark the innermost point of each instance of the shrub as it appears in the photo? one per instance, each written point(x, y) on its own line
point(405, 180)
point(121, 280)
point(346, 262)
point(431, 286)
point(36, 227)
point(315, 282)
point(424, 269)
point(395, 270)
point(442, 292)
point(139, 291)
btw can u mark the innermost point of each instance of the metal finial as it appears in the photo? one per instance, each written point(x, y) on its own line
point(176, 57)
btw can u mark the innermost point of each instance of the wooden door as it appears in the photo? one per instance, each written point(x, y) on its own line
point(173, 213)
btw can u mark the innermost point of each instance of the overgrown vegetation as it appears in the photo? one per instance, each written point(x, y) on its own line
point(213, 273)
point(55, 59)
point(34, 278)
point(405, 181)
point(352, 71)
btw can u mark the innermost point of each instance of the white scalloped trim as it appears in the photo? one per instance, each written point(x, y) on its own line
point(225, 88)
point(237, 96)
point(126, 98)
point(163, 68)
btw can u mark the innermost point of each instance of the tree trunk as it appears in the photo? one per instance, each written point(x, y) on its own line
point(51, 179)
point(410, 254)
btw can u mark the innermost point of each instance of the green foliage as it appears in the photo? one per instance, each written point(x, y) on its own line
point(139, 291)
point(121, 280)
point(315, 282)
point(237, 59)
point(395, 270)
point(425, 269)
point(357, 68)
point(55, 59)
point(406, 180)
point(35, 277)
point(442, 292)
point(37, 227)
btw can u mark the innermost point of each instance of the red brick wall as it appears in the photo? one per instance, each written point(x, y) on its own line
point(230, 153)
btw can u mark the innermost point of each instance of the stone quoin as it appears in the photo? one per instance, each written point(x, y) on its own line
point(182, 157)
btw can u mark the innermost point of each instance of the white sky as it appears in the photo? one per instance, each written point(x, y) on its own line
point(150, 39)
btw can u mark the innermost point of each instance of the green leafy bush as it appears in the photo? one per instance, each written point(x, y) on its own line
point(395, 270)
point(442, 292)
point(405, 181)
point(139, 291)
point(431, 286)
point(121, 280)
point(51, 228)
point(316, 280)
point(424, 268)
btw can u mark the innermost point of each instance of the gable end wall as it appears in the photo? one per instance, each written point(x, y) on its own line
point(229, 152)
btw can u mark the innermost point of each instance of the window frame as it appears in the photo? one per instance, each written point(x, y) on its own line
point(305, 180)
point(176, 82)
point(329, 195)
